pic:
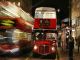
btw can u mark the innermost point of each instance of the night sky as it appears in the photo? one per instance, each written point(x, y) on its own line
point(63, 5)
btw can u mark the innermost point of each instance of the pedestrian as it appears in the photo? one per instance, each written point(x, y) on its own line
point(70, 47)
point(78, 43)
point(78, 46)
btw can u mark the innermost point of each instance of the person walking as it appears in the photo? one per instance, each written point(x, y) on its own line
point(70, 47)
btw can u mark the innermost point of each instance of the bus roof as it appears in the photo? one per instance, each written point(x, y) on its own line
point(45, 9)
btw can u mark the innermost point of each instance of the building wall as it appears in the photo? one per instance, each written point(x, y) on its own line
point(75, 8)
point(24, 4)
point(76, 16)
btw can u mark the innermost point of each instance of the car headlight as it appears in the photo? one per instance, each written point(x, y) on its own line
point(35, 47)
point(53, 48)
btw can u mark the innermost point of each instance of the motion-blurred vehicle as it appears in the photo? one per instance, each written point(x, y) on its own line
point(15, 29)
point(11, 47)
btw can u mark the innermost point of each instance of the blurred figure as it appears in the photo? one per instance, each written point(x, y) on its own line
point(78, 43)
point(70, 47)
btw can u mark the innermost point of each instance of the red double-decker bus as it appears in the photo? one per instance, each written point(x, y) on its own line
point(45, 32)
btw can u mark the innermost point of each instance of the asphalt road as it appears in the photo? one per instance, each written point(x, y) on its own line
point(62, 56)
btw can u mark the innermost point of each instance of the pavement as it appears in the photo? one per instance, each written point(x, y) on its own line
point(63, 55)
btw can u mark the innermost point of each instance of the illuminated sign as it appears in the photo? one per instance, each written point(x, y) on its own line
point(7, 23)
point(10, 23)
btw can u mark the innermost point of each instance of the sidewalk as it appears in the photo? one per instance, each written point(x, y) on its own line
point(64, 56)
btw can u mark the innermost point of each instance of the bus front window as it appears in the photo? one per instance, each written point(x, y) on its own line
point(40, 36)
point(45, 36)
point(51, 36)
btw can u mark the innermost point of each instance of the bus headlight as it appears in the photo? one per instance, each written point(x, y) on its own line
point(53, 48)
point(35, 47)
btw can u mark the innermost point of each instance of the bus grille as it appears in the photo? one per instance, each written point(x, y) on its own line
point(43, 49)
